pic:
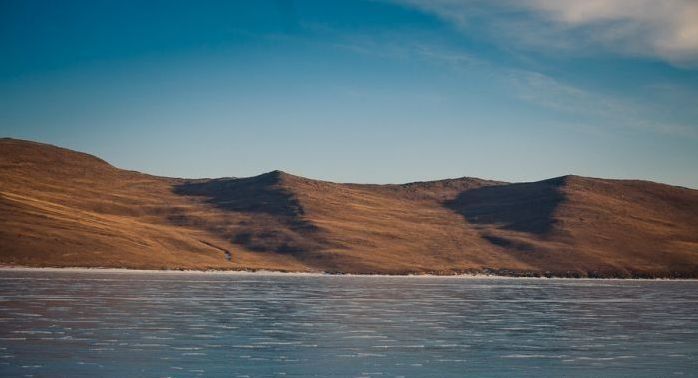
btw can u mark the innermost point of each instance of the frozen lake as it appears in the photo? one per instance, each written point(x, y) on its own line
point(70, 323)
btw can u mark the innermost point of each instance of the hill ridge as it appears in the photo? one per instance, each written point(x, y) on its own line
point(64, 208)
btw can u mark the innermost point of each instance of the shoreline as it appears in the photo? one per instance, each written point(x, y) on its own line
point(272, 273)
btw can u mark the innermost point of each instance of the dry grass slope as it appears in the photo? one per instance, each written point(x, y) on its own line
point(64, 208)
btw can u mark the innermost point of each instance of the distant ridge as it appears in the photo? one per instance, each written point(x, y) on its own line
point(63, 208)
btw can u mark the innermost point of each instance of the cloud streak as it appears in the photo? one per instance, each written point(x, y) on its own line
point(596, 110)
point(666, 30)
point(545, 91)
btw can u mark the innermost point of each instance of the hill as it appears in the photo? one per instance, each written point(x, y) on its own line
point(64, 208)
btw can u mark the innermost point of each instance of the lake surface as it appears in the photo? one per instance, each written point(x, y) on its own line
point(178, 324)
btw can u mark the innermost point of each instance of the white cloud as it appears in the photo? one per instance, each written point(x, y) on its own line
point(663, 29)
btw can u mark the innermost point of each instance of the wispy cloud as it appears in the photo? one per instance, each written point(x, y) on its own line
point(545, 91)
point(392, 46)
point(661, 29)
point(597, 110)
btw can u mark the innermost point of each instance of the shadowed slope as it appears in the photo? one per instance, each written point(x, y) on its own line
point(264, 212)
point(63, 208)
point(260, 194)
point(588, 226)
point(393, 228)
point(527, 207)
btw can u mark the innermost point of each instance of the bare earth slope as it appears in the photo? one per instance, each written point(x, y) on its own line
point(64, 208)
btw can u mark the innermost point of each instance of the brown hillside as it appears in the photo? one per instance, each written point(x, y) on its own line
point(63, 208)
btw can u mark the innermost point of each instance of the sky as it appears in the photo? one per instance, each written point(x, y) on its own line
point(360, 91)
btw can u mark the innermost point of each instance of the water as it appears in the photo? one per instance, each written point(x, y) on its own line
point(167, 324)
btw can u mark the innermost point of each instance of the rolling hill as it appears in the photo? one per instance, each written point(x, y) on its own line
point(63, 208)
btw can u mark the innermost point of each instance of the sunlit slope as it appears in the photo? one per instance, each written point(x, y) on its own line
point(590, 226)
point(63, 208)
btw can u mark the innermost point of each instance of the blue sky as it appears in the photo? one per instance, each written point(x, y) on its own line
point(375, 91)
